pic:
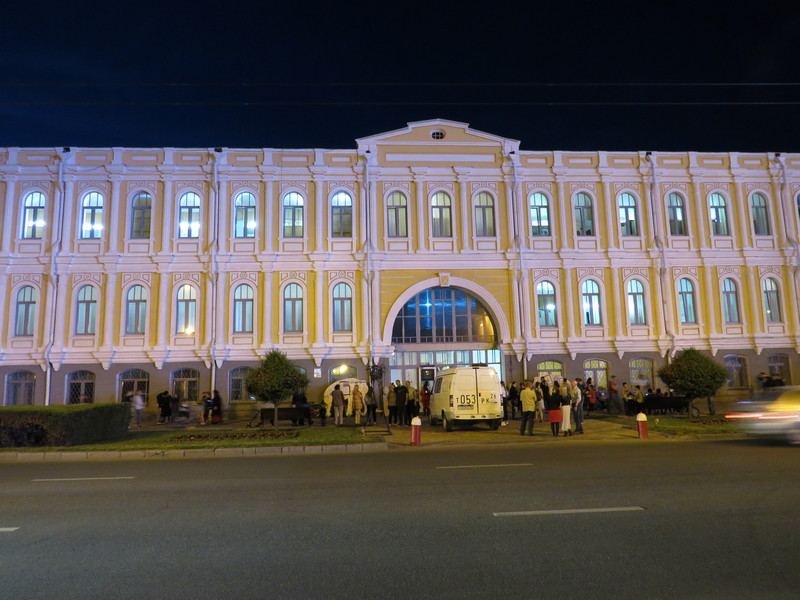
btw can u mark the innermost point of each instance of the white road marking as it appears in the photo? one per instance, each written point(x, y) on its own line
point(85, 479)
point(487, 466)
point(8, 529)
point(570, 511)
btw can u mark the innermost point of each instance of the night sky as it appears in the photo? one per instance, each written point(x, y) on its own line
point(557, 76)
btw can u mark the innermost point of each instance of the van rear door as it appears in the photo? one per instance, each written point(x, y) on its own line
point(465, 394)
point(488, 391)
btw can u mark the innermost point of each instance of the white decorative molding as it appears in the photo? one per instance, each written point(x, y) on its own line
point(294, 183)
point(482, 185)
point(339, 275)
point(91, 277)
point(626, 185)
point(177, 277)
point(678, 271)
point(769, 270)
point(590, 272)
point(25, 185)
point(238, 185)
point(718, 186)
point(351, 185)
point(143, 184)
point(729, 270)
point(245, 275)
point(535, 186)
point(634, 272)
point(430, 186)
point(96, 184)
point(194, 186)
point(403, 185)
point(294, 275)
point(444, 279)
point(763, 186)
point(672, 186)
point(26, 277)
point(139, 277)
point(546, 273)
point(582, 185)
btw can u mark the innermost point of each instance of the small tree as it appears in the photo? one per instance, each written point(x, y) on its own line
point(275, 379)
point(694, 375)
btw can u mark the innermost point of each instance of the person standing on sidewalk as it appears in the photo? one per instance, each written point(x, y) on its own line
point(566, 407)
point(137, 402)
point(401, 394)
point(577, 405)
point(337, 403)
point(553, 403)
point(528, 402)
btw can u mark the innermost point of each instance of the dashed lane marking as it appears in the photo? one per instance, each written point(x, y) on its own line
point(569, 511)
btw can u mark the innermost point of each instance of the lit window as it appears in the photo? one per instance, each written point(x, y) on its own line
point(584, 214)
point(546, 303)
point(730, 301)
point(293, 215)
point(772, 300)
point(135, 310)
point(20, 388)
point(244, 220)
point(718, 212)
point(540, 214)
point(25, 317)
point(186, 313)
point(342, 307)
point(628, 224)
point(484, 215)
point(636, 308)
point(758, 205)
point(397, 215)
point(33, 216)
point(686, 301)
point(292, 308)
point(189, 217)
point(141, 210)
point(92, 216)
point(243, 309)
point(676, 214)
point(591, 303)
point(441, 223)
point(341, 215)
point(86, 315)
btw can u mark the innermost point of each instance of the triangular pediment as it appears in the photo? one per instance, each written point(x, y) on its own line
point(436, 141)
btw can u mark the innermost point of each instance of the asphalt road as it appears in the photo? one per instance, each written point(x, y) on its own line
point(576, 520)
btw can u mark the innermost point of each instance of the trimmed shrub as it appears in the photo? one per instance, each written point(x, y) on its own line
point(70, 425)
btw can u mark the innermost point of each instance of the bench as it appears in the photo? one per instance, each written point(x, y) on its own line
point(281, 413)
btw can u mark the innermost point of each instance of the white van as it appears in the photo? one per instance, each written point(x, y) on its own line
point(467, 395)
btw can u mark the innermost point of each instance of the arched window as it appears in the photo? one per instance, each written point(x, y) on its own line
point(342, 372)
point(636, 306)
point(584, 214)
point(592, 314)
point(244, 218)
point(136, 310)
point(628, 223)
point(133, 381)
point(341, 215)
point(189, 215)
point(540, 214)
point(484, 215)
point(737, 371)
point(342, 307)
point(237, 388)
point(676, 214)
point(293, 215)
point(641, 372)
point(92, 216)
point(33, 216)
point(718, 213)
point(772, 300)
point(758, 206)
point(186, 385)
point(441, 218)
point(546, 304)
point(243, 309)
point(443, 315)
point(596, 369)
point(20, 388)
point(397, 215)
point(186, 310)
point(25, 311)
point(141, 211)
point(80, 387)
point(86, 314)
point(730, 301)
point(292, 308)
point(551, 369)
point(686, 301)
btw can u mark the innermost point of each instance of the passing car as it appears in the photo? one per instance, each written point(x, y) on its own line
point(775, 415)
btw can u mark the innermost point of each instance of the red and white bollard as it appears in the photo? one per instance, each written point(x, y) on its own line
point(416, 429)
point(641, 425)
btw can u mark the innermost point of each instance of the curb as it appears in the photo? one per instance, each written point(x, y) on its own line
point(61, 456)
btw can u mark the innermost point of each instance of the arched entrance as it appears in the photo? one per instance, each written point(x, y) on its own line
point(442, 327)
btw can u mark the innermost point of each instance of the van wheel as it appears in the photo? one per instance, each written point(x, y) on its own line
point(448, 424)
point(495, 424)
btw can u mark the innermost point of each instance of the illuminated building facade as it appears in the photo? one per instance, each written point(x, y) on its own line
point(436, 244)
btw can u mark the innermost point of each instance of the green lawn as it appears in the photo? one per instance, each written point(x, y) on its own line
point(678, 425)
point(221, 438)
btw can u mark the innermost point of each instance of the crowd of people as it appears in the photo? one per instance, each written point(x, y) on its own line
point(563, 403)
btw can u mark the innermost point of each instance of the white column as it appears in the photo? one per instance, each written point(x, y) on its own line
point(167, 215)
point(109, 332)
point(464, 200)
point(422, 223)
point(11, 232)
point(115, 220)
point(269, 217)
point(321, 219)
point(319, 304)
